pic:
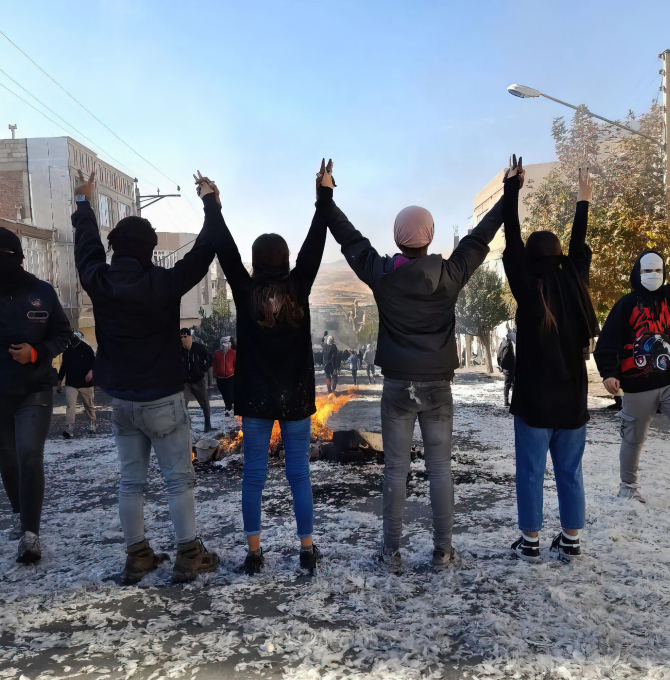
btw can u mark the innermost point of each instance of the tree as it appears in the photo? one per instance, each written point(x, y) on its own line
point(369, 329)
point(481, 308)
point(221, 322)
point(628, 212)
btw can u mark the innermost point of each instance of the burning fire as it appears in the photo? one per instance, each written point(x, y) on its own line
point(326, 405)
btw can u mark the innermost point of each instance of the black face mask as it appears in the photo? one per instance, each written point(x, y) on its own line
point(10, 265)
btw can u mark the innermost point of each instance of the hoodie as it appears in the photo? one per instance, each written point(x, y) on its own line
point(416, 297)
point(634, 344)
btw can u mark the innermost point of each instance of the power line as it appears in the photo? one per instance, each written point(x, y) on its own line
point(87, 110)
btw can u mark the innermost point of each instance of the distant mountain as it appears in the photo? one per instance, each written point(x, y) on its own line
point(336, 283)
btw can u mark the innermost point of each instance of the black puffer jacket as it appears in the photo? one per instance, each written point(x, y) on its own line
point(197, 361)
point(78, 360)
point(634, 344)
point(30, 312)
point(417, 299)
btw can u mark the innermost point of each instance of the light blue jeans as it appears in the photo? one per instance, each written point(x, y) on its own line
point(165, 425)
point(295, 435)
point(567, 449)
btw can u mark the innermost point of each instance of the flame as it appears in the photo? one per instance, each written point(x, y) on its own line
point(326, 405)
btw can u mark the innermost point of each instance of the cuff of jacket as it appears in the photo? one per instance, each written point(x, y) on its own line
point(612, 373)
point(42, 353)
point(82, 208)
point(324, 197)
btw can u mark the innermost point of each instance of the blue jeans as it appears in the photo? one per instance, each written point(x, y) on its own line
point(296, 435)
point(567, 449)
point(165, 425)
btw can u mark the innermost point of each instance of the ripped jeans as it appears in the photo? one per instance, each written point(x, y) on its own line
point(402, 403)
point(165, 425)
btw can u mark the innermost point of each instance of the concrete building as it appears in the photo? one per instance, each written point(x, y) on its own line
point(37, 180)
point(489, 195)
point(172, 246)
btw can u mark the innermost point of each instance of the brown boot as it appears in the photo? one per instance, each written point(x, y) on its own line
point(140, 561)
point(193, 559)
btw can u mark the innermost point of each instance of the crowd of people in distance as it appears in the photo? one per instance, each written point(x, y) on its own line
point(270, 376)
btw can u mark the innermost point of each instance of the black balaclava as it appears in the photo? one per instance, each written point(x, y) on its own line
point(269, 257)
point(133, 237)
point(10, 262)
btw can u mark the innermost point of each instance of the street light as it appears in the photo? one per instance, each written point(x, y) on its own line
point(525, 92)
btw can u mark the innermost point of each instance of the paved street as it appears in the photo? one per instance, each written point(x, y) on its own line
point(489, 616)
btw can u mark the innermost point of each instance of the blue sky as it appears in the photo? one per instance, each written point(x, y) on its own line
point(408, 98)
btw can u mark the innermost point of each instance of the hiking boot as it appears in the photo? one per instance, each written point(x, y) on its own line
point(14, 531)
point(631, 491)
point(566, 547)
point(443, 557)
point(527, 550)
point(253, 562)
point(68, 432)
point(390, 558)
point(193, 559)
point(141, 560)
point(309, 557)
point(29, 548)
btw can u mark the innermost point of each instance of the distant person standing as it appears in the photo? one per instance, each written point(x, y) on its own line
point(197, 360)
point(353, 362)
point(369, 358)
point(224, 371)
point(506, 361)
point(330, 364)
point(77, 371)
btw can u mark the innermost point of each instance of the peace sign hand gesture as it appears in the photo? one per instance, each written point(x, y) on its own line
point(205, 186)
point(84, 188)
point(515, 170)
point(324, 178)
point(585, 191)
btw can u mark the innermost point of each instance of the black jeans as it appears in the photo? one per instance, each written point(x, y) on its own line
point(199, 392)
point(225, 386)
point(24, 426)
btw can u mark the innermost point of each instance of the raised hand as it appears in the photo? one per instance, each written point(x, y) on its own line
point(324, 178)
point(205, 186)
point(84, 188)
point(585, 191)
point(515, 169)
point(21, 352)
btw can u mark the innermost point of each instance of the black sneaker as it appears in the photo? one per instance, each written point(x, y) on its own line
point(567, 548)
point(254, 562)
point(309, 557)
point(527, 550)
point(67, 433)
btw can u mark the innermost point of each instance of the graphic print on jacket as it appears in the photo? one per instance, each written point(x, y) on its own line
point(634, 344)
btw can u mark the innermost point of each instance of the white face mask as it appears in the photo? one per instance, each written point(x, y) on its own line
point(225, 346)
point(651, 280)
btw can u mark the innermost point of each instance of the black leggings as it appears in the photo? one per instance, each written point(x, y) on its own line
point(225, 386)
point(24, 426)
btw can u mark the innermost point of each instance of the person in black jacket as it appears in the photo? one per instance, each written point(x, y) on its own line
point(138, 363)
point(77, 371)
point(274, 371)
point(33, 331)
point(416, 295)
point(506, 361)
point(330, 364)
point(633, 355)
point(555, 323)
point(197, 360)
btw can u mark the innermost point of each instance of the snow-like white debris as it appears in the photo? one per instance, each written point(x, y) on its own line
point(490, 616)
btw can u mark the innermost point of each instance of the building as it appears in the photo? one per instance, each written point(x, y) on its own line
point(487, 197)
point(172, 246)
point(37, 180)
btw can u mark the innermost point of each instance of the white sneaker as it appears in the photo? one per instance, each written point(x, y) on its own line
point(29, 548)
point(68, 432)
point(91, 427)
point(631, 491)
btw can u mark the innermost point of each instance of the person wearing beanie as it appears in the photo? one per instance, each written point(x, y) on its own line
point(138, 363)
point(555, 323)
point(77, 371)
point(224, 371)
point(197, 360)
point(416, 296)
point(33, 331)
point(633, 355)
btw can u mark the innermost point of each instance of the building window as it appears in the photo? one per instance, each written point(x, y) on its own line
point(122, 209)
point(104, 211)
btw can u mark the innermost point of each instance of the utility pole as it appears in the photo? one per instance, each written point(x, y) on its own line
point(665, 72)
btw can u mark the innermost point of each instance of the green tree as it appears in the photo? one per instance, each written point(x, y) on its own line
point(628, 211)
point(221, 322)
point(369, 329)
point(481, 308)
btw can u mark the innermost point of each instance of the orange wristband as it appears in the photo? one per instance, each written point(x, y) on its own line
point(33, 355)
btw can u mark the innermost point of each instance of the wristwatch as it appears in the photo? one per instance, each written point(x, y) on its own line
point(80, 198)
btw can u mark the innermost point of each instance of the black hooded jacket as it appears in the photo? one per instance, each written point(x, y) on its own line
point(634, 345)
point(417, 299)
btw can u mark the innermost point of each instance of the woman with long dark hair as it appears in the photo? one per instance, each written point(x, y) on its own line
point(274, 371)
point(555, 324)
